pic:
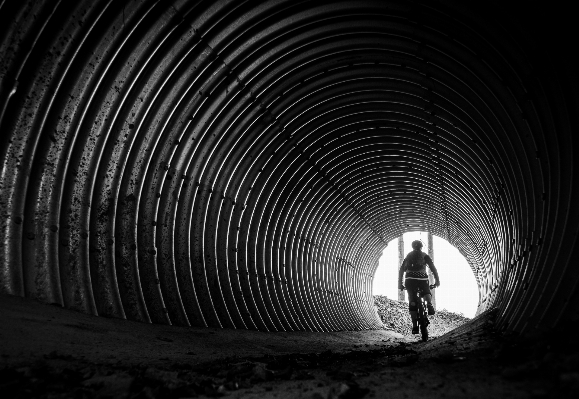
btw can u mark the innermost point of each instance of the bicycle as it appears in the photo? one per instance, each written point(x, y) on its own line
point(422, 313)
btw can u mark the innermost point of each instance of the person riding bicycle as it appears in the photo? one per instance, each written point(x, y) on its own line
point(414, 266)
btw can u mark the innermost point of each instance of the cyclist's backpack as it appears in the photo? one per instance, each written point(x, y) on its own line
point(415, 261)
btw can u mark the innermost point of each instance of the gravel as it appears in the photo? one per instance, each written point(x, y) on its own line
point(395, 316)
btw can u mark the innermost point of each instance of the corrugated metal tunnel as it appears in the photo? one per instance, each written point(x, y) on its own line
point(243, 164)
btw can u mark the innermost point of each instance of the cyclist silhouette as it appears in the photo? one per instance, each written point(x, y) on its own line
point(414, 266)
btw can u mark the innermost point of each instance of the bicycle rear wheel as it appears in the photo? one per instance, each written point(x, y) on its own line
point(424, 330)
point(423, 321)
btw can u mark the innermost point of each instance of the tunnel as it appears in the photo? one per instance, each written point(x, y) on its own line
point(243, 164)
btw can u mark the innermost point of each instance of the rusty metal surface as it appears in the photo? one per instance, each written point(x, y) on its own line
point(243, 165)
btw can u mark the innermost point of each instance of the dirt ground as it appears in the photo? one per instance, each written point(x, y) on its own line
point(395, 316)
point(50, 352)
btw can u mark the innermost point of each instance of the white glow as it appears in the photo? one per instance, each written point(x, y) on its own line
point(458, 291)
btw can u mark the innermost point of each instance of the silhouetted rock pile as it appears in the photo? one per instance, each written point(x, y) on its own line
point(395, 316)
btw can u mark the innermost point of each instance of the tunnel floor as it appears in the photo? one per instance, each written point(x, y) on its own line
point(47, 351)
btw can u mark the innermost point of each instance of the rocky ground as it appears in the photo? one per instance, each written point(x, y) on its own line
point(48, 352)
point(395, 316)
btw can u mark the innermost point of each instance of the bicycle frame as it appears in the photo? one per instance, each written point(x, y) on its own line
point(422, 314)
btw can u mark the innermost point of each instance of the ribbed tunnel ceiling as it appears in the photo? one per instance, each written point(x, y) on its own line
point(243, 164)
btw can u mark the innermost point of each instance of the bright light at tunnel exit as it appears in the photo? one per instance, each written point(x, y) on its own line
point(458, 291)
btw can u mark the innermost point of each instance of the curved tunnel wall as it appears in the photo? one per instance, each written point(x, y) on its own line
point(244, 164)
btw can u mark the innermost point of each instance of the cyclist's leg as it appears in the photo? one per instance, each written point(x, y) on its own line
point(412, 302)
point(427, 296)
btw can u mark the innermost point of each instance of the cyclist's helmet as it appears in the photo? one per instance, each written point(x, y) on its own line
point(416, 244)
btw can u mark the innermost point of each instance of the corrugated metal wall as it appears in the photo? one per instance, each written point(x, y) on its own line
point(243, 164)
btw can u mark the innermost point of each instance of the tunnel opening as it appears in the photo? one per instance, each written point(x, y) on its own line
point(460, 295)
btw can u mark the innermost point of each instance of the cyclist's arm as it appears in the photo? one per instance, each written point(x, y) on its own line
point(401, 274)
point(430, 264)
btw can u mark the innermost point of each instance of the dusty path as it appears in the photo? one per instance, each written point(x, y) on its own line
point(51, 352)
